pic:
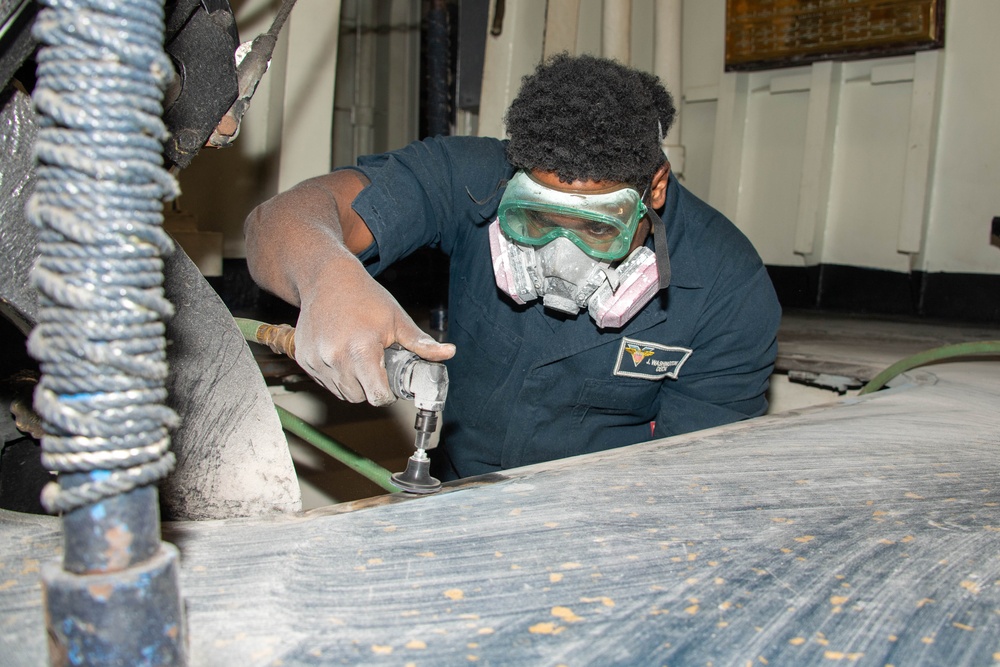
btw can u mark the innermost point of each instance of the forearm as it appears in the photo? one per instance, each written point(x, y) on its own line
point(298, 236)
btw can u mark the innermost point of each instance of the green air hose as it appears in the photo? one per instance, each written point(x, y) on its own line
point(926, 357)
point(280, 338)
point(349, 458)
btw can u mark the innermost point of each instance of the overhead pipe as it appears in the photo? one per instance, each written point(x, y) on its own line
point(667, 64)
point(100, 342)
point(616, 35)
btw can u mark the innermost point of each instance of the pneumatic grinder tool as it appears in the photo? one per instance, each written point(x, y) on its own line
point(410, 378)
point(426, 384)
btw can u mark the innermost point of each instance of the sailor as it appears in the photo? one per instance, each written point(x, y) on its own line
point(593, 301)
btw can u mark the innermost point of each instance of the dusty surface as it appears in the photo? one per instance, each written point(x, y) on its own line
point(866, 533)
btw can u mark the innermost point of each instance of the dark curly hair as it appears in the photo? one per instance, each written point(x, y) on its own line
point(590, 118)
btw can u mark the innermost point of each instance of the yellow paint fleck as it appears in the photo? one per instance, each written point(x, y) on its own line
point(781, 519)
point(692, 557)
point(691, 581)
point(763, 660)
point(805, 538)
point(416, 644)
point(996, 656)
point(722, 624)
point(923, 601)
point(797, 641)
point(992, 529)
point(545, 629)
point(555, 577)
point(515, 566)
point(693, 609)
point(963, 626)
point(893, 638)
point(879, 513)
point(822, 641)
point(550, 524)
point(485, 631)
point(454, 594)
point(427, 554)
point(10, 583)
point(606, 601)
point(472, 658)
point(840, 655)
point(566, 614)
point(374, 561)
point(381, 650)
point(912, 495)
point(515, 512)
point(786, 550)
point(472, 645)
point(970, 586)
point(885, 541)
point(927, 640)
point(838, 599)
point(713, 563)
point(570, 566)
point(907, 539)
point(390, 529)
point(726, 605)
point(719, 581)
point(802, 481)
point(30, 566)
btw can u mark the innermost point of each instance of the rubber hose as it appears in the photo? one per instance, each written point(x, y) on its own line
point(351, 459)
point(926, 357)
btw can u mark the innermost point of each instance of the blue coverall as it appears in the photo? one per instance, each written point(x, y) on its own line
point(529, 385)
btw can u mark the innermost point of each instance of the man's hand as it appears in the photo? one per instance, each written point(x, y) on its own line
point(346, 322)
point(301, 246)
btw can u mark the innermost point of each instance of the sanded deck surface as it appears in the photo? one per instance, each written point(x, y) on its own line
point(866, 532)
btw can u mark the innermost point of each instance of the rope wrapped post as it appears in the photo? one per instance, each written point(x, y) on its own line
point(100, 338)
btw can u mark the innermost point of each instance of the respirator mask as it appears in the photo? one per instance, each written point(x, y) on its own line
point(560, 246)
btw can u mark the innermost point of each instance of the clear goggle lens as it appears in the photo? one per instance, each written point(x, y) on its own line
point(602, 225)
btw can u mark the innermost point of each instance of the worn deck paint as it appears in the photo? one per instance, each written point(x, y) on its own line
point(866, 532)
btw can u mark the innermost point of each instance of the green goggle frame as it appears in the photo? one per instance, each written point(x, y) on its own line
point(600, 224)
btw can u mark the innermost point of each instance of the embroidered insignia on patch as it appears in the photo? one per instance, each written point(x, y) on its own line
point(649, 361)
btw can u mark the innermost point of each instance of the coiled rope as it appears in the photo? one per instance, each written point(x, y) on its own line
point(100, 338)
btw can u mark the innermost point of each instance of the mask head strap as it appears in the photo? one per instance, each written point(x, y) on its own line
point(660, 244)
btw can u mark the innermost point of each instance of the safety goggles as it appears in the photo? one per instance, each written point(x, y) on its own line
point(600, 224)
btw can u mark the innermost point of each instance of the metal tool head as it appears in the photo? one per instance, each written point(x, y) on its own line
point(417, 477)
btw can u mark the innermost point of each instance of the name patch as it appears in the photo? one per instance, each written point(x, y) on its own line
point(649, 361)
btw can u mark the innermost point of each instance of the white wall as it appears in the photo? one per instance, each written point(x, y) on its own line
point(888, 163)
point(966, 176)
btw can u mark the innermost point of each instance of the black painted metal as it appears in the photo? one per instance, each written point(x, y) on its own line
point(203, 50)
point(109, 536)
point(128, 617)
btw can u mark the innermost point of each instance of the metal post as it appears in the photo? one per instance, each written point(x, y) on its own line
point(114, 599)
